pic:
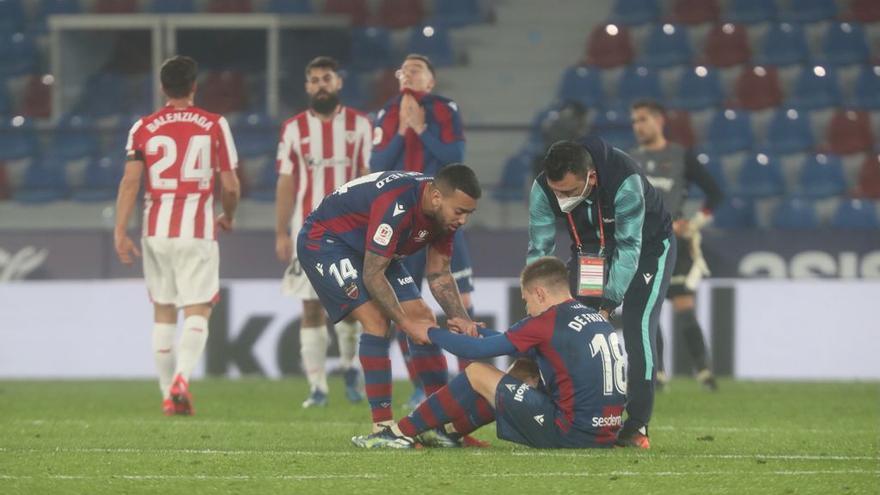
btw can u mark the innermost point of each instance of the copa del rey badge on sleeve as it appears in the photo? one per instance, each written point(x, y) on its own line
point(591, 275)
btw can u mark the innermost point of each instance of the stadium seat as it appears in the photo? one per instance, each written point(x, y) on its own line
point(784, 44)
point(116, 6)
point(810, 10)
point(290, 7)
point(17, 138)
point(514, 178)
point(867, 88)
point(12, 15)
point(815, 88)
point(396, 14)
point(760, 177)
point(103, 95)
point(698, 89)
point(456, 13)
point(358, 10)
point(613, 124)
point(74, 138)
point(45, 8)
point(101, 179)
point(229, 7)
point(581, 84)
point(222, 92)
point(609, 45)
point(856, 214)
point(5, 103)
point(18, 55)
point(757, 88)
point(665, 46)
point(734, 213)
point(727, 45)
point(750, 11)
point(695, 11)
point(865, 10)
point(37, 96)
point(635, 12)
point(821, 176)
point(795, 214)
point(729, 131)
point(264, 185)
point(789, 132)
point(678, 128)
point(385, 87)
point(433, 41)
point(255, 134)
point(638, 82)
point(868, 185)
point(353, 93)
point(173, 6)
point(850, 132)
point(43, 182)
point(845, 44)
point(371, 48)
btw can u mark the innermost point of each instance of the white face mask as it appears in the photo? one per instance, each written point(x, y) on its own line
point(570, 203)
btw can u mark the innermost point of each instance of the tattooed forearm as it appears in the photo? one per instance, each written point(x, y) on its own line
point(445, 291)
point(379, 288)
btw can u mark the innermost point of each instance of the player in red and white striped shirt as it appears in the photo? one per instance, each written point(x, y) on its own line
point(319, 150)
point(181, 147)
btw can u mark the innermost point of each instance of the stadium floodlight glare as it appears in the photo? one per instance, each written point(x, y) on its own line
point(701, 71)
point(729, 114)
point(48, 79)
point(760, 71)
point(792, 114)
point(428, 31)
point(762, 159)
point(612, 29)
point(669, 29)
point(819, 71)
point(822, 159)
point(17, 121)
point(846, 27)
point(728, 28)
point(703, 158)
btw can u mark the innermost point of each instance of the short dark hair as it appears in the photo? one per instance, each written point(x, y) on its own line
point(549, 271)
point(178, 75)
point(423, 58)
point(458, 176)
point(652, 106)
point(322, 62)
point(567, 156)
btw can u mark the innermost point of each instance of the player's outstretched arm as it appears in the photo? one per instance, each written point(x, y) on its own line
point(126, 198)
point(471, 347)
point(230, 191)
point(438, 272)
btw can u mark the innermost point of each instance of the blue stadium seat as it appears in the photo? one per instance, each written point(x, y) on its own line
point(665, 46)
point(17, 138)
point(263, 188)
point(517, 170)
point(456, 13)
point(103, 95)
point(18, 55)
point(433, 41)
point(638, 82)
point(255, 134)
point(810, 10)
point(173, 6)
point(290, 7)
point(581, 84)
point(821, 176)
point(371, 48)
point(856, 214)
point(795, 214)
point(12, 17)
point(815, 88)
point(716, 170)
point(698, 89)
point(729, 131)
point(49, 7)
point(789, 132)
point(867, 90)
point(845, 44)
point(74, 138)
point(635, 12)
point(784, 44)
point(353, 93)
point(43, 182)
point(5, 103)
point(735, 213)
point(750, 11)
point(760, 177)
point(613, 125)
point(101, 179)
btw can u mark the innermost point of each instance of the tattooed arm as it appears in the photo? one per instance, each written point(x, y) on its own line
point(380, 289)
point(444, 288)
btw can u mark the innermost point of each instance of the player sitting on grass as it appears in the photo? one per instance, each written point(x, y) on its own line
point(579, 358)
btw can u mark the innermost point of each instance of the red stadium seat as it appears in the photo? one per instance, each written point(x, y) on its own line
point(865, 10)
point(116, 6)
point(758, 88)
point(37, 97)
point(223, 92)
point(357, 9)
point(395, 14)
point(726, 45)
point(609, 45)
point(678, 128)
point(230, 7)
point(695, 11)
point(850, 132)
point(869, 178)
point(385, 87)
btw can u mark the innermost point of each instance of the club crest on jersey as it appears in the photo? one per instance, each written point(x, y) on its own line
point(421, 236)
point(352, 291)
point(350, 136)
point(383, 234)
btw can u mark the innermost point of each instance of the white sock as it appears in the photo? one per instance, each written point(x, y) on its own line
point(348, 334)
point(192, 344)
point(163, 354)
point(313, 350)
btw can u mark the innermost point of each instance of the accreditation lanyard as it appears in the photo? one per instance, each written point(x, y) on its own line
point(591, 267)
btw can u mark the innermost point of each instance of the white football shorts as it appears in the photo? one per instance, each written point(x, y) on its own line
point(181, 272)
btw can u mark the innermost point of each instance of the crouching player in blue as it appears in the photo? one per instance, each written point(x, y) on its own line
point(580, 402)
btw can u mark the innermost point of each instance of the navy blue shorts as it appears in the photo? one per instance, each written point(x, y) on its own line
point(461, 264)
point(528, 416)
point(335, 272)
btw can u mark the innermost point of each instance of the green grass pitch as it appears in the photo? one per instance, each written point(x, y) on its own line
point(250, 436)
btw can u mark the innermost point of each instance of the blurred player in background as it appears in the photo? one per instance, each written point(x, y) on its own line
point(577, 353)
point(671, 169)
point(181, 147)
point(419, 131)
point(320, 149)
point(350, 248)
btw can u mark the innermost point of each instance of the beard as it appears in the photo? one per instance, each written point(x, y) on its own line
point(324, 104)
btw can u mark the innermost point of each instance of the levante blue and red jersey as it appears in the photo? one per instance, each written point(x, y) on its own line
point(574, 345)
point(380, 212)
point(440, 144)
